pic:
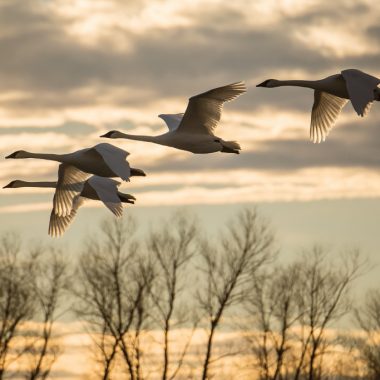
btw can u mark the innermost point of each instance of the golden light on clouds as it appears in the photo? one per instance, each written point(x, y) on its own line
point(93, 66)
point(336, 40)
point(96, 21)
point(50, 139)
point(72, 70)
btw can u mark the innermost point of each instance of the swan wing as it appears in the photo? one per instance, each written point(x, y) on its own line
point(70, 184)
point(203, 111)
point(58, 224)
point(115, 158)
point(106, 189)
point(172, 120)
point(326, 109)
point(360, 87)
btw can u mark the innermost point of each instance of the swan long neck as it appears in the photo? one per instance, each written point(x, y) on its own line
point(43, 156)
point(135, 137)
point(36, 184)
point(297, 83)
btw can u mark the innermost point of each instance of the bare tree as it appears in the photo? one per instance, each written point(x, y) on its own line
point(323, 300)
point(245, 247)
point(49, 284)
point(113, 289)
point(172, 247)
point(272, 311)
point(16, 296)
point(291, 308)
point(368, 318)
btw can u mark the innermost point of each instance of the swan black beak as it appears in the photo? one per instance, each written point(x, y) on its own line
point(12, 155)
point(110, 135)
point(137, 172)
point(7, 186)
point(263, 84)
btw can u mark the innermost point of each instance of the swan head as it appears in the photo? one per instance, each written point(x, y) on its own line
point(18, 154)
point(15, 184)
point(137, 172)
point(111, 135)
point(269, 83)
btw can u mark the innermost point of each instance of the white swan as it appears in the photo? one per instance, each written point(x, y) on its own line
point(193, 131)
point(104, 160)
point(96, 188)
point(331, 95)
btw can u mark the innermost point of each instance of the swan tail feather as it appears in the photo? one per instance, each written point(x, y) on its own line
point(230, 147)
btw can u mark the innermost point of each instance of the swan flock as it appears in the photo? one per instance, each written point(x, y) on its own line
point(87, 173)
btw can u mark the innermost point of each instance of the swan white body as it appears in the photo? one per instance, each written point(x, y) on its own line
point(330, 96)
point(95, 188)
point(193, 131)
point(104, 160)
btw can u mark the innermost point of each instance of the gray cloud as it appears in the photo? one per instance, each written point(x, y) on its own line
point(54, 68)
point(42, 59)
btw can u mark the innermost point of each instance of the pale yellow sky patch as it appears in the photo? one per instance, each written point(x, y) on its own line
point(336, 40)
point(266, 123)
point(26, 207)
point(94, 21)
point(26, 169)
point(30, 141)
point(272, 11)
point(43, 120)
point(91, 21)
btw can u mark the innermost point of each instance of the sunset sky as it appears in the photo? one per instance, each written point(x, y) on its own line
point(71, 70)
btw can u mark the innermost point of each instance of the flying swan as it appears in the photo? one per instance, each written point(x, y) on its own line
point(193, 131)
point(96, 188)
point(330, 96)
point(104, 160)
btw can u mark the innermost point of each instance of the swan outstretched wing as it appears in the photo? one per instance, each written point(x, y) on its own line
point(106, 189)
point(58, 224)
point(360, 87)
point(70, 184)
point(115, 158)
point(204, 110)
point(326, 109)
point(172, 120)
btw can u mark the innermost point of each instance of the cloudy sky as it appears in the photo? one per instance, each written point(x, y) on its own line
point(72, 69)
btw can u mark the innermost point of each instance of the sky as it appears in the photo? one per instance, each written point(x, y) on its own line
point(71, 70)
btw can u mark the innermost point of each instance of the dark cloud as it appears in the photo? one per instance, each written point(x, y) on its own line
point(52, 65)
point(374, 33)
point(58, 70)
